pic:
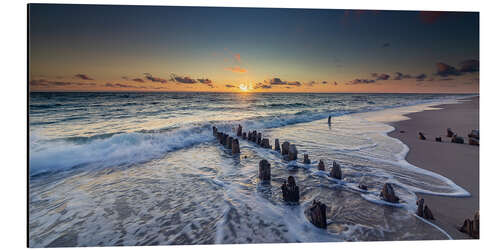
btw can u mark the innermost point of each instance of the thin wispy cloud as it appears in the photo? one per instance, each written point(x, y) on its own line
point(421, 77)
point(278, 81)
point(237, 57)
point(150, 77)
point(262, 86)
point(121, 85)
point(360, 81)
point(183, 79)
point(236, 69)
point(49, 83)
point(205, 80)
point(399, 76)
point(83, 77)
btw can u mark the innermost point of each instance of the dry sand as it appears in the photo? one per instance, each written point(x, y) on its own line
point(458, 162)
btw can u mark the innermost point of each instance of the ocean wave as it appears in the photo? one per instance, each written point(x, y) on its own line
point(119, 149)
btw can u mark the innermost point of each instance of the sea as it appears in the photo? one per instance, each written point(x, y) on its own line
point(111, 169)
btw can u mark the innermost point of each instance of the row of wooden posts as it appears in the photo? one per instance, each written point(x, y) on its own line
point(290, 191)
point(455, 138)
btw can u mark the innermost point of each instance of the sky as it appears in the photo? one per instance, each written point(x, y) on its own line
point(161, 48)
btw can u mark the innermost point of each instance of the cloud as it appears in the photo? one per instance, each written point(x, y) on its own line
point(361, 81)
point(431, 16)
point(295, 83)
point(383, 76)
point(206, 81)
point(180, 79)
point(446, 79)
point(236, 69)
point(237, 57)
point(466, 66)
point(135, 79)
point(278, 81)
point(154, 79)
point(385, 45)
point(400, 76)
point(326, 82)
point(48, 83)
point(230, 86)
point(121, 85)
point(83, 77)
point(262, 86)
point(469, 66)
point(421, 77)
point(189, 80)
point(445, 70)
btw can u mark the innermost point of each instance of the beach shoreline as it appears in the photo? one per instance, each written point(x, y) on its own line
point(457, 162)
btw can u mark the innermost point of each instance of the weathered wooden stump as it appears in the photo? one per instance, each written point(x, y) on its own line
point(424, 211)
point(421, 136)
point(317, 214)
point(471, 226)
point(388, 193)
point(236, 146)
point(229, 142)
point(321, 165)
point(259, 138)
point(239, 131)
point(277, 145)
point(292, 152)
point(284, 148)
point(244, 136)
point(329, 119)
point(290, 190)
point(224, 139)
point(457, 139)
point(474, 134)
point(427, 213)
point(438, 139)
point(473, 141)
point(449, 132)
point(265, 143)
point(420, 208)
point(336, 172)
point(254, 136)
point(264, 171)
point(306, 159)
point(214, 130)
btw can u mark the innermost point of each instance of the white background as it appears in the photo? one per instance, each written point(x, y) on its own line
point(13, 98)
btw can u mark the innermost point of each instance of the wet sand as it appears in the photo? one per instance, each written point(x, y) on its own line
point(458, 162)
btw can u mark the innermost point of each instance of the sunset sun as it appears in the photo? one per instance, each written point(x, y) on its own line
point(243, 87)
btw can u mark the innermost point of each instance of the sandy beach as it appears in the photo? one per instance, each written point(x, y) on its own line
point(458, 162)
